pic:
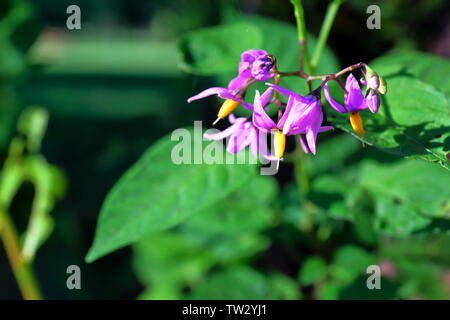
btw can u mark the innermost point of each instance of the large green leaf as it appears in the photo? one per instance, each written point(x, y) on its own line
point(247, 211)
point(413, 120)
point(393, 198)
point(418, 186)
point(156, 194)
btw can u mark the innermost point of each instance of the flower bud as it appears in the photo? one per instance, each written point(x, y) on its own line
point(262, 67)
point(373, 100)
point(375, 82)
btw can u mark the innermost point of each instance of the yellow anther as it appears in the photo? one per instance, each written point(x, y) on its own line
point(279, 143)
point(227, 107)
point(357, 123)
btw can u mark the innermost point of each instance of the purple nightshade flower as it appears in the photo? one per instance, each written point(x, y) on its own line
point(255, 65)
point(303, 116)
point(241, 134)
point(353, 99)
point(354, 102)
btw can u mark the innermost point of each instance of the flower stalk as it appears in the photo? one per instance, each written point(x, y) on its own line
point(21, 268)
point(304, 62)
point(332, 10)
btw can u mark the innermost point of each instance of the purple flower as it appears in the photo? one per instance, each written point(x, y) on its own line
point(241, 134)
point(303, 116)
point(354, 102)
point(353, 99)
point(255, 65)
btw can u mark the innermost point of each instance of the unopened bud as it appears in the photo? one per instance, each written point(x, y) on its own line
point(373, 100)
point(375, 82)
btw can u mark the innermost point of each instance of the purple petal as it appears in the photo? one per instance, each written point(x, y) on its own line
point(285, 92)
point(221, 92)
point(239, 81)
point(232, 118)
point(326, 128)
point(223, 134)
point(286, 113)
point(354, 99)
point(336, 106)
point(247, 106)
point(302, 116)
point(260, 119)
point(311, 133)
point(238, 140)
point(266, 96)
point(254, 142)
point(304, 144)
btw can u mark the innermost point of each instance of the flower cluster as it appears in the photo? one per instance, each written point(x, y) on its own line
point(301, 115)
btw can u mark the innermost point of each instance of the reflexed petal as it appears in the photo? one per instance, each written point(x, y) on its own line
point(221, 92)
point(285, 92)
point(219, 135)
point(265, 97)
point(247, 105)
point(311, 133)
point(304, 144)
point(254, 141)
point(326, 128)
point(354, 99)
point(336, 106)
point(238, 141)
point(260, 119)
point(286, 113)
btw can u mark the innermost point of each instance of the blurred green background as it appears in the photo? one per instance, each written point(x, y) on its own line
point(115, 87)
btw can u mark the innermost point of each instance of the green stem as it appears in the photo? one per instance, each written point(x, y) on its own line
point(325, 31)
point(22, 269)
point(301, 35)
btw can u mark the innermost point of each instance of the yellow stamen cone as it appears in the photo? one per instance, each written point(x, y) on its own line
point(357, 123)
point(227, 107)
point(279, 144)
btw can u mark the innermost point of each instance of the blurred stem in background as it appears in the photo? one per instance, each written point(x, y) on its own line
point(21, 268)
point(24, 163)
point(304, 61)
point(324, 32)
point(299, 157)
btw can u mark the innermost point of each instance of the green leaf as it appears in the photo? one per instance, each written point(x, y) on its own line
point(218, 49)
point(413, 120)
point(18, 31)
point(411, 182)
point(282, 287)
point(242, 212)
point(313, 270)
point(168, 259)
point(237, 283)
point(349, 263)
point(156, 194)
